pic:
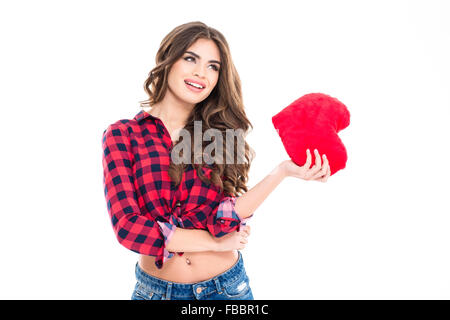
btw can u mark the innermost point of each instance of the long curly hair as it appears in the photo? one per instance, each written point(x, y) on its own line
point(223, 109)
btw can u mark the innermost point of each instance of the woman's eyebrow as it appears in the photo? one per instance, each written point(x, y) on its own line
point(198, 57)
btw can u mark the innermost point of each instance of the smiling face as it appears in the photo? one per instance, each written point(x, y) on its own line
point(199, 64)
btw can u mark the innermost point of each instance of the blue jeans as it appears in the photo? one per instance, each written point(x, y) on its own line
point(232, 284)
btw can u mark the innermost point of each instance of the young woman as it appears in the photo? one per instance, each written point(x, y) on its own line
point(188, 220)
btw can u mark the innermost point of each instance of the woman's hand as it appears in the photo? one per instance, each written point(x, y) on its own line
point(234, 240)
point(319, 172)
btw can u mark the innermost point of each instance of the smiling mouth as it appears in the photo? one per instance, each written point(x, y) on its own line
point(193, 88)
point(195, 85)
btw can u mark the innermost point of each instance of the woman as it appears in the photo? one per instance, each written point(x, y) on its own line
point(187, 219)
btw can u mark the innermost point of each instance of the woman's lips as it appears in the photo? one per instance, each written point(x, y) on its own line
point(192, 88)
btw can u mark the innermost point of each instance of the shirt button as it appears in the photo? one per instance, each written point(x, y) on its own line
point(222, 221)
point(199, 290)
point(178, 204)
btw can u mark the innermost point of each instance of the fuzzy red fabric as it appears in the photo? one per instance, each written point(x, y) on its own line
point(313, 122)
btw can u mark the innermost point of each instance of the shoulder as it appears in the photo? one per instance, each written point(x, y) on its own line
point(121, 127)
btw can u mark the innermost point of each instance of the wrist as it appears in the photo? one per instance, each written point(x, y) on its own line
point(280, 170)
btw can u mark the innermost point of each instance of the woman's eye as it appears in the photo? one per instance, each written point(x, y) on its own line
point(193, 59)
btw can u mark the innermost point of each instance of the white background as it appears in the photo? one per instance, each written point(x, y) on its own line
point(379, 229)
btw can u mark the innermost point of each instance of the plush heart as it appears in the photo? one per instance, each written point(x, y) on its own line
point(313, 122)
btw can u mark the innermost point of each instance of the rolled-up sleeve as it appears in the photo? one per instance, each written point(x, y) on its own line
point(224, 219)
point(167, 229)
point(135, 231)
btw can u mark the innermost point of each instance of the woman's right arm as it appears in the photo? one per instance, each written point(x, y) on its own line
point(133, 230)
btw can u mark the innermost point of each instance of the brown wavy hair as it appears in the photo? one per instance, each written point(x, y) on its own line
point(223, 109)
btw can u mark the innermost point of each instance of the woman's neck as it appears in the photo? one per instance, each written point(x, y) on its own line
point(172, 117)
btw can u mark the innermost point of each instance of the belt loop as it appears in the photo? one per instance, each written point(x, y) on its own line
point(218, 286)
point(169, 291)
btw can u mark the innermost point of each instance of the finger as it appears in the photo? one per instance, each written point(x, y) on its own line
point(320, 174)
point(327, 175)
point(316, 167)
point(308, 159)
point(243, 232)
point(323, 171)
point(325, 165)
point(318, 160)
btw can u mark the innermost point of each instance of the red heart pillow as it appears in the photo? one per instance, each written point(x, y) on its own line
point(312, 122)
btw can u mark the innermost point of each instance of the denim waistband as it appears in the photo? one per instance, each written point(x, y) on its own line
point(171, 288)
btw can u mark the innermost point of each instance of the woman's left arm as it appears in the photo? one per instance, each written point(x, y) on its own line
point(247, 203)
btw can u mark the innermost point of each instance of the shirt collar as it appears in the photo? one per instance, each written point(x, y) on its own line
point(142, 115)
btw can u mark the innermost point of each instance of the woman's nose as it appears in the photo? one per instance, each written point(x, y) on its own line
point(198, 71)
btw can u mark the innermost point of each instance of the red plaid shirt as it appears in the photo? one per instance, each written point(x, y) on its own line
point(144, 206)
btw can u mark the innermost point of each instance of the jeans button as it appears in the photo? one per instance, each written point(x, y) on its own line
point(199, 290)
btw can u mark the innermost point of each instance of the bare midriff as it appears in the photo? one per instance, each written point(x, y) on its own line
point(203, 266)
